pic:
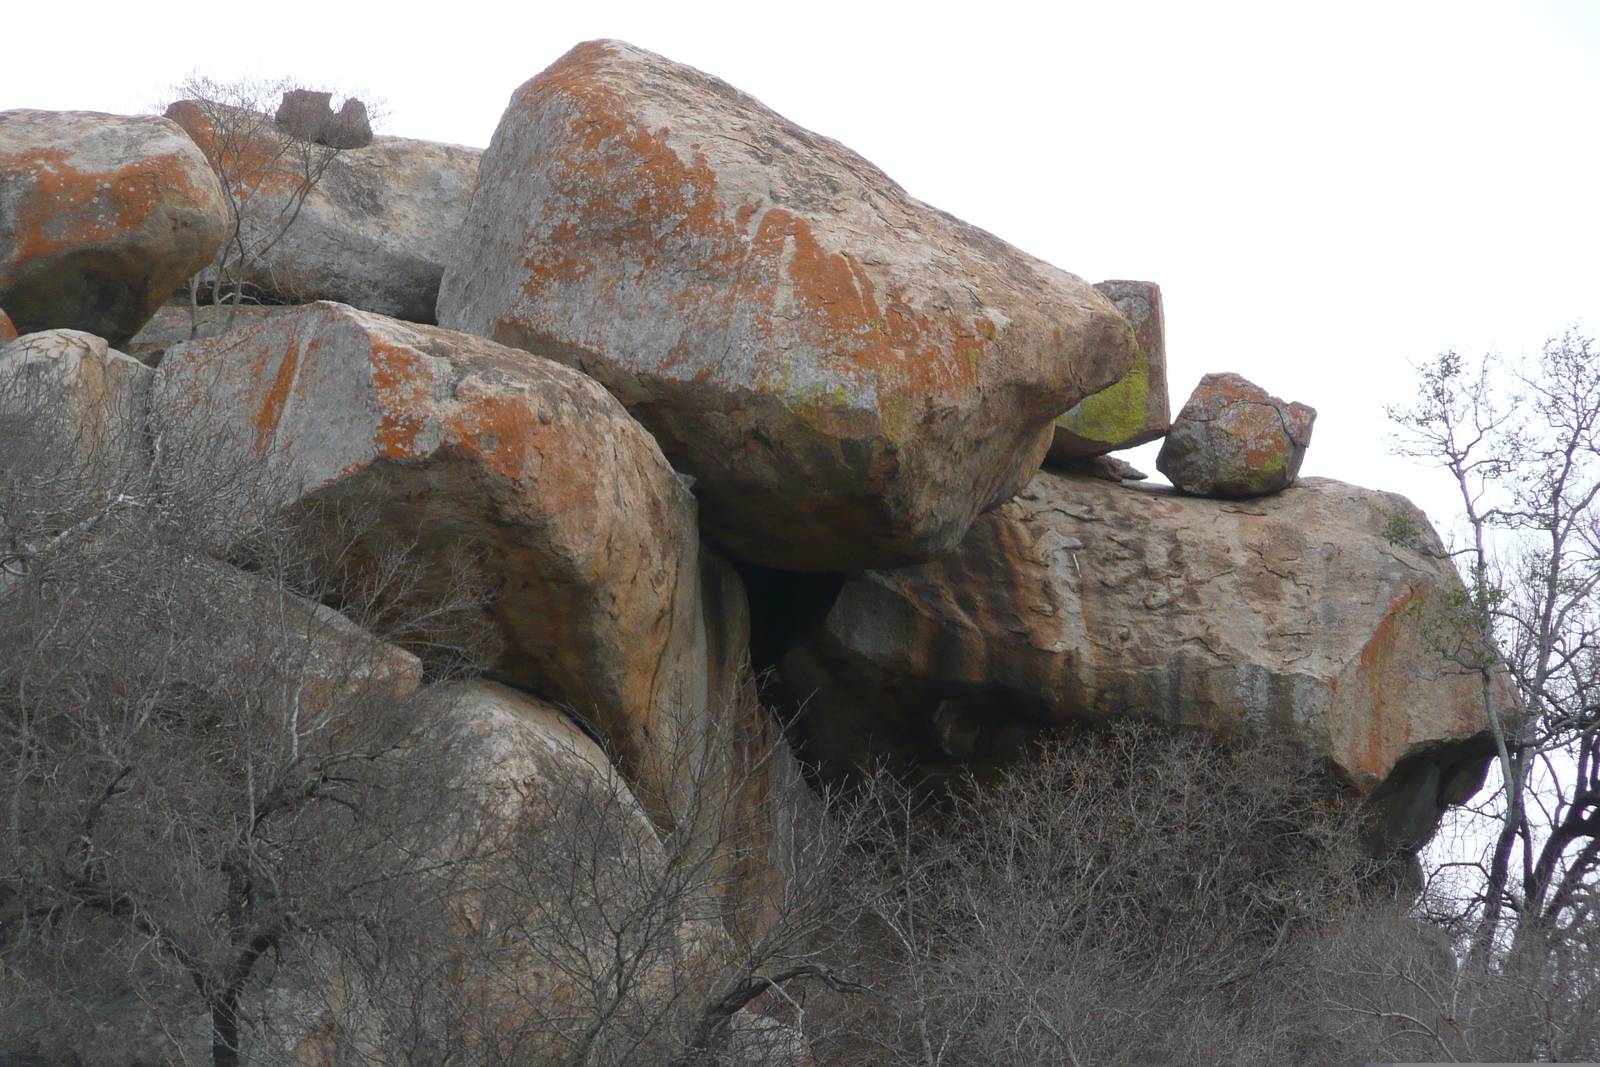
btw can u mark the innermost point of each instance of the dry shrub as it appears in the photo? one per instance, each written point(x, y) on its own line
point(1132, 896)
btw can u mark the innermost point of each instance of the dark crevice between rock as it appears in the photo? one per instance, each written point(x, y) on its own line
point(786, 608)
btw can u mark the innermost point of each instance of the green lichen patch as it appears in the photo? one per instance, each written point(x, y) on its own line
point(1117, 412)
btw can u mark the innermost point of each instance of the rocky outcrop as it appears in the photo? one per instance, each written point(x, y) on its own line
point(849, 374)
point(81, 404)
point(1235, 440)
point(101, 218)
point(374, 232)
point(456, 444)
point(1083, 602)
point(1133, 410)
point(309, 116)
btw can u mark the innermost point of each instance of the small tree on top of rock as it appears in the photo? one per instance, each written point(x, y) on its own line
point(270, 144)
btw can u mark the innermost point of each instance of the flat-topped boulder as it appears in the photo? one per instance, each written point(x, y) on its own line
point(849, 374)
point(101, 218)
point(1083, 601)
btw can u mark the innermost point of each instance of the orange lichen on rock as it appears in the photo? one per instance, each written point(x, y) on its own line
point(849, 374)
point(106, 215)
point(1081, 601)
point(456, 444)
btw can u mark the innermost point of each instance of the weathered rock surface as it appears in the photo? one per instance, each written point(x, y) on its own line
point(849, 374)
point(309, 116)
point(1083, 602)
point(1134, 410)
point(8, 329)
point(457, 443)
point(530, 745)
point(376, 230)
point(81, 403)
point(1235, 440)
point(101, 217)
point(172, 325)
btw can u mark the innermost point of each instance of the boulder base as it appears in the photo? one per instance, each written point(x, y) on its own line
point(1234, 440)
point(101, 218)
point(849, 374)
point(1084, 602)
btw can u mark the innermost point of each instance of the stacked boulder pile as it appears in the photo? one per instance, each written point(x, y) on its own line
point(705, 390)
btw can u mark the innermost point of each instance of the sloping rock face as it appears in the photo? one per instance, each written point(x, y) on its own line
point(1235, 440)
point(1135, 409)
point(456, 443)
point(173, 324)
point(101, 218)
point(376, 230)
point(849, 374)
point(1083, 602)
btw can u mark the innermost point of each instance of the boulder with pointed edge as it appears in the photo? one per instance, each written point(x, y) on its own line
point(849, 374)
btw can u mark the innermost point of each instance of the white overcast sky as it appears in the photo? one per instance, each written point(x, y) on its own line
point(1323, 190)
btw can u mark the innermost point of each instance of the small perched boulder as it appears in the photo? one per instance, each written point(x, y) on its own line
point(101, 218)
point(1134, 410)
point(374, 231)
point(309, 116)
point(849, 374)
point(1083, 602)
point(1234, 440)
point(8, 329)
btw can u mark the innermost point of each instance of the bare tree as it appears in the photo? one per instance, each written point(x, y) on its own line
point(1521, 440)
point(589, 939)
point(209, 777)
point(267, 170)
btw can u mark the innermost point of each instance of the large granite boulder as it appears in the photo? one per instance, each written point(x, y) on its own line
point(1083, 601)
point(849, 374)
point(600, 592)
point(101, 218)
point(374, 231)
point(1134, 410)
point(1235, 440)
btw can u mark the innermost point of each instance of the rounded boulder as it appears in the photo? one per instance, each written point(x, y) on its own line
point(101, 218)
